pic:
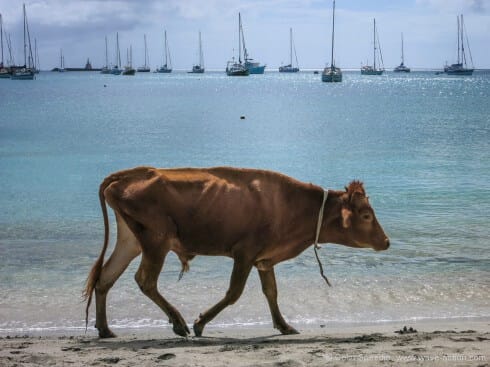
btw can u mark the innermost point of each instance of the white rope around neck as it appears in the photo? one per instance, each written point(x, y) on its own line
point(317, 235)
point(320, 218)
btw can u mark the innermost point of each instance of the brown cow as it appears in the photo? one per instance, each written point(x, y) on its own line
point(259, 218)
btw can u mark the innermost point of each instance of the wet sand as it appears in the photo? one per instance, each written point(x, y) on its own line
point(441, 344)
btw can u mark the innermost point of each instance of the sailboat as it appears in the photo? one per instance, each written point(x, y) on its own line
point(26, 72)
point(332, 74)
point(128, 69)
point(237, 68)
point(145, 68)
point(105, 69)
point(61, 69)
point(402, 67)
point(373, 70)
point(461, 67)
point(116, 69)
point(4, 71)
point(167, 66)
point(253, 67)
point(199, 68)
point(290, 68)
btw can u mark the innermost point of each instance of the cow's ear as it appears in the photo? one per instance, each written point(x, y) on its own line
point(346, 218)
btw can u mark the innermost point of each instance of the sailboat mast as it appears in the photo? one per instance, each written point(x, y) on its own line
point(165, 48)
point(25, 44)
point(146, 51)
point(402, 51)
point(118, 52)
point(201, 58)
point(333, 32)
point(291, 46)
point(106, 56)
point(463, 56)
point(374, 41)
point(458, 39)
point(1, 37)
point(239, 38)
point(9, 46)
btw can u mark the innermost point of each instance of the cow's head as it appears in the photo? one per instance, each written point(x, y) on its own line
point(357, 225)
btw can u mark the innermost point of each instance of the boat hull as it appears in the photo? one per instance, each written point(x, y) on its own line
point(129, 72)
point(143, 70)
point(236, 69)
point(237, 73)
point(164, 71)
point(335, 78)
point(196, 69)
point(288, 69)
point(23, 75)
point(460, 72)
point(256, 69)
point(457, 69)
point(332, 75)
point(401, 69)
point(372, 72)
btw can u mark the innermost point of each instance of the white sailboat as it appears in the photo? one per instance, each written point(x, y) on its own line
point(145, 68)
point(199, 67)
point(4, 71)
point(27, 71)
point(290, 68)
point(128, 69)
point(402, 68)
point(105, 69)
point(116, 69)
point(332, 74)
point(167, 65)
point(461, 67)
point(374, 69)
point(237, 68)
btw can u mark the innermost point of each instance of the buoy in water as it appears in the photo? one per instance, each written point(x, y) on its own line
point(242, 117)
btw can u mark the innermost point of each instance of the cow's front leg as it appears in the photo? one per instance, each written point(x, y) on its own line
point(239, 276)
point(269, 287)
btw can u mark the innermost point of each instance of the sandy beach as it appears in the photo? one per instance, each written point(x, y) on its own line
point(429, 344)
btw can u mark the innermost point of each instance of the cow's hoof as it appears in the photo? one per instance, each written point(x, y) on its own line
point(106, 333)
point(289, 331)
point(198, 328)
point(181, 330)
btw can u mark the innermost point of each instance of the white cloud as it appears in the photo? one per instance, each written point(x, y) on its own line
point(457, 6)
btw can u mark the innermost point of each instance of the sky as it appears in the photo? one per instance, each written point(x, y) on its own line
point(79, 26)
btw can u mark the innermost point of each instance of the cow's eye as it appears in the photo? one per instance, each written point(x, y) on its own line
point(366, 216)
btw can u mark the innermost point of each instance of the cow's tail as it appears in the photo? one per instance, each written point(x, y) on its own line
point(94, 274)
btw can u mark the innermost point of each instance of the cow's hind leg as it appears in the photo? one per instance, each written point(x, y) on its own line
point(269, 287)
point(126, 249)
point(147, 279)
point(241, 270)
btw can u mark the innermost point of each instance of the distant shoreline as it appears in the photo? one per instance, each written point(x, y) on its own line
point(308, 70)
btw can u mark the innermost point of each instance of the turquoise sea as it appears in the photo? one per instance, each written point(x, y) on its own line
point(420, 142)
